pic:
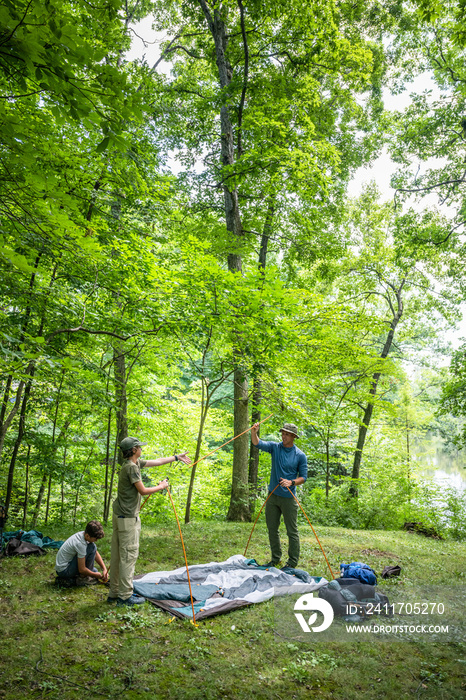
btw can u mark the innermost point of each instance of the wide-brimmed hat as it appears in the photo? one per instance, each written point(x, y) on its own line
point(129, 442)
point(290, 428)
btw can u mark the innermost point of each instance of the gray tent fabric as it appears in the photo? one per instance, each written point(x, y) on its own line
point(220, 587)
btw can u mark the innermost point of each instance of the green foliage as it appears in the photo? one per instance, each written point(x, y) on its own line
point(106, 254)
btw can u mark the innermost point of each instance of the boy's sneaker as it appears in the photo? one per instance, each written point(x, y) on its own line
point(132, 600)
point(85, 581)
point(111, 600)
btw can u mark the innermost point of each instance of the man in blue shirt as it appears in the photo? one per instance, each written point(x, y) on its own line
point(289, 469)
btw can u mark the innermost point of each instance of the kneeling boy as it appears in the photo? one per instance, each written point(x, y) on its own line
point(76, 557)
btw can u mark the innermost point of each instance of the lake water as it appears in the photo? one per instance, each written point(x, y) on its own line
point(445, 468)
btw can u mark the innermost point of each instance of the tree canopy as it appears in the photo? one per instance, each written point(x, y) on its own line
point(180, 256)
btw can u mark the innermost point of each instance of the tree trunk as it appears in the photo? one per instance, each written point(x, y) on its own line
point(204, 410)
point(19, 438)
point(239, 502)
point(239, 509)
point(257, 383)
point(373, 391)
point(30, 371)
point(48, 499)
point(6, 422)
point(62, 486)
point(327, 475)
point(253, 449)
point(40, 496)
point(26, 490)
point(114, 463)
point(408, 455)
point(107, 465)
point(76, 501)
point(119, 372)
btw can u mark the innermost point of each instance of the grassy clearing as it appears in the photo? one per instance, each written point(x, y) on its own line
point(72, 644)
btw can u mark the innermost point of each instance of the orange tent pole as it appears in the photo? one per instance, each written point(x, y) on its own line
point(325, 556)
point(185, 557)
point(299, 504)
point(276, 487)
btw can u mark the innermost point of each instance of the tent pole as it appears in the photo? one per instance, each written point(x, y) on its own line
point(276, 487)
point(185, 558)
point(325, 556)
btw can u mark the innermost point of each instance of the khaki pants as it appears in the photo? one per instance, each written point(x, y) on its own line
point(124, 555)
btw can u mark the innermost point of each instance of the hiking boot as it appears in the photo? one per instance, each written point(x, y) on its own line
point(275, 564)
point(132, 600)
point(85, 581)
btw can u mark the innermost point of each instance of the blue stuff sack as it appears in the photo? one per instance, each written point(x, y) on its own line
point(359, 570)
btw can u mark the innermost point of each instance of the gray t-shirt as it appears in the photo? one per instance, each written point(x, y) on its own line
point(75, 545)
point(128, 501)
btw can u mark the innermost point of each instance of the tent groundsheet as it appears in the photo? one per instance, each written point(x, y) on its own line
point(219, 587)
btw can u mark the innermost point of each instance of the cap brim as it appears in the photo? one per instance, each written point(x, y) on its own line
point(141, 444)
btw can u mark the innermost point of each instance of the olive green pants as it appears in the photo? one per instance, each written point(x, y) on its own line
point(124, 555)
point(275, 508)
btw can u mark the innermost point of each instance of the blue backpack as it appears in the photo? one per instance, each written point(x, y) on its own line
point(358, 570)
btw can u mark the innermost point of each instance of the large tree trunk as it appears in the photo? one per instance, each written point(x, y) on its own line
point(239, 502)
point(239, 509)
point(363, 428)
point(253, 449)
point(257, 383)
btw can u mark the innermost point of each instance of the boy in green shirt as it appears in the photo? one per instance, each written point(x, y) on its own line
point(126, 521)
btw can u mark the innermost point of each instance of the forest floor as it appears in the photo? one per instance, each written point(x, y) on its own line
point(70, 643)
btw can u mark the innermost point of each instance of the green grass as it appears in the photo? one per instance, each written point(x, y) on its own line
point(68, 644)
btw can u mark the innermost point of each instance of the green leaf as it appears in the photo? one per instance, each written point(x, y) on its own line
point(102, 146)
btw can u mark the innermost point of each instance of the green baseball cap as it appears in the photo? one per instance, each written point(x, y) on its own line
point(129, 442)
point(290, 428)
